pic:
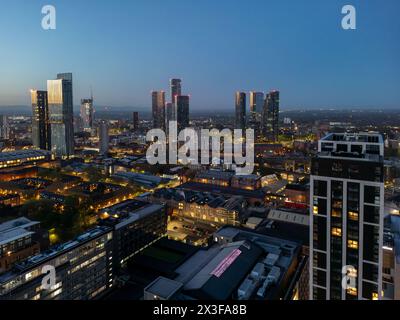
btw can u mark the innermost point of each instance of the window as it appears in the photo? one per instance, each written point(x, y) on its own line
point(352, 244)
point(336, 232)
point(356, 148)
point(336, 213)
point(371, 195)
point(353, 215)
point(341, 148)
point(337, 167)
point(352, 291)
point(320, 188)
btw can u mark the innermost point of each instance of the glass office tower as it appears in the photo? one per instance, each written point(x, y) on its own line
point(41, 134)
point(60, 104)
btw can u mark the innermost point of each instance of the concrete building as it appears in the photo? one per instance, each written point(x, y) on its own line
point(83, 270)
point(19, 239)
point(136, 224)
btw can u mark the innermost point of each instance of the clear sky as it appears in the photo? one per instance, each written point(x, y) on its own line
point(126, 48)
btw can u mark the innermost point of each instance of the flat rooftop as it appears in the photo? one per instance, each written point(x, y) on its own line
point(196, 186)
point(54, 251)
point(17, 223)
point(22, 155)
point(213, 200)
point(366, 137)
point(129, 211)
point(164, 287)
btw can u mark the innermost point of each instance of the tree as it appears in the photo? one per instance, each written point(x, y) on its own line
point(42, 210)
point(93, 174)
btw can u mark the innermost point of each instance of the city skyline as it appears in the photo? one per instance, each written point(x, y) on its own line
point(306, 53)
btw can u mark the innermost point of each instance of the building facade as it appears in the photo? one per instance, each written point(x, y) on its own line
point(176, 89)
point(158, 109)
point(270, 117)
point(182, 112)
point(240, 110)
point(60, 104)
point(83, 270)
point(87, 114)
point(4, 127)
point(104, 138)
point(136, 224)
point(41, 134)
point(19, 239)
point(346, 217)
point(135, 120)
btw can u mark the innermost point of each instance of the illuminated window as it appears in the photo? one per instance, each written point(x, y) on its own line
point(337, 232)
point(336, 213)
point(352, 291)
point(375, 296)
point(315, 210)
point(353, 216)
point(352, 244)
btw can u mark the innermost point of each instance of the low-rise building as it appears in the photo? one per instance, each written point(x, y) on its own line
point(240, 265)
point(203, 206)
point(10, 200)
point(247, 182)
point(19, 239)
point(215, 177)
point(23, 157)
point(136, 224)
point(83, 270)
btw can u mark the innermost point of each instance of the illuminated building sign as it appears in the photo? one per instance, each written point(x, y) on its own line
point(225, 264)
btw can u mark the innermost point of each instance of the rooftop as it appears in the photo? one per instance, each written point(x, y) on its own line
point(213, 200)
point(164, 287)
point(195, 186)
point(366, 137)
point(22, 154)
point(219, 271)
point(17, 223)
point(215, 174)
point(55, 251)
point(126, 212)
point(360, 146)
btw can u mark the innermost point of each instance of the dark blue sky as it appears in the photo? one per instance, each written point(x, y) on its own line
point(125, 49)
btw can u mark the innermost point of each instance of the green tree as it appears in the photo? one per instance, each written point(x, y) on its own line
point(93, 174)
point(42, 210)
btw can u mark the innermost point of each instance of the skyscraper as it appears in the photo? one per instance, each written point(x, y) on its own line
point(176, 89)
point(170, 114)
point(60, 103)
point(240, 110)
point(104, 138)
point(270, 116)
point(182, 112)
point(256, 108)
point(87, 114)
point(256, 102)
point(41, 134)
point(158, 109)
point(346, 217)
point(135, 119)
point(4, 127)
